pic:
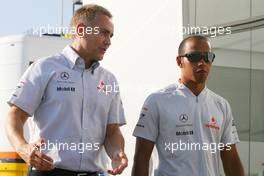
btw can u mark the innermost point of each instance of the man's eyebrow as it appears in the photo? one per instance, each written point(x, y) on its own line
point(108, 31)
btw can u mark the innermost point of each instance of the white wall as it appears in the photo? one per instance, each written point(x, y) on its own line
point(213, 12)
point(143, 53)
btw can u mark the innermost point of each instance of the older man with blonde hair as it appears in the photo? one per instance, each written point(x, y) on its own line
point(65, 98)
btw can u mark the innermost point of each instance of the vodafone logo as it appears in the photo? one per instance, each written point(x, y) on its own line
point(212, 123)
point(213, 120)
point(101, 86)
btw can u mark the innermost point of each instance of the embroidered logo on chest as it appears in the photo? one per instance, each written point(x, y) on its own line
point(214, 123)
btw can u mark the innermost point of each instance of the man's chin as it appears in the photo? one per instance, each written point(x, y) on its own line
point(98, 58)
point(201, 80)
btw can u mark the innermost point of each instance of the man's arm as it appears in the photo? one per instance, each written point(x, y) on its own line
point(16, 119)
point(231, 162)
point(30, 153)
point(114, 146)
point(143, 152)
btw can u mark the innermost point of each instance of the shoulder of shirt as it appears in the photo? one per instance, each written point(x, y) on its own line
point(217, 97)
point(106, 72)
point(168, 90)
point(53, 59)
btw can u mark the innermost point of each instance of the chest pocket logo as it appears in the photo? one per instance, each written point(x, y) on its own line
point(213, 123)
point(64, 76)
point(101, 87)
point(183, 118)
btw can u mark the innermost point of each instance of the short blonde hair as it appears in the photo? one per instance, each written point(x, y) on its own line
point(87, 13)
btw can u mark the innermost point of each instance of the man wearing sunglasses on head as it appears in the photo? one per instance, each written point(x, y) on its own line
point(191, 126)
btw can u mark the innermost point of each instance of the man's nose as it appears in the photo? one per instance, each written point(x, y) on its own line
point(202, 61)
point(107, 41)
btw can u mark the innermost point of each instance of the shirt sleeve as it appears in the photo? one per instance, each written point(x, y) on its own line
point(148, 123)
point(29, 91)
point(230, 132)
point(116, 113)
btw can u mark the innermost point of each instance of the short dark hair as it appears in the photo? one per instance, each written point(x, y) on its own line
point(183, 42)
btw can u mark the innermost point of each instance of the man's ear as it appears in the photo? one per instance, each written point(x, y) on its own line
point(80, 30)
point(179, 61)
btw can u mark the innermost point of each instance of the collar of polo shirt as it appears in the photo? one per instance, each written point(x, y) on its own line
point(75, 60)
point(187, 90)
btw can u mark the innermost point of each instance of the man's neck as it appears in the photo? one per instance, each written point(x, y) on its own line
point(196, 88)
point(79, 50)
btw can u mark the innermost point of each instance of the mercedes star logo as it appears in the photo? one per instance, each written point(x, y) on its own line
point(64, 75)
point(183, 118)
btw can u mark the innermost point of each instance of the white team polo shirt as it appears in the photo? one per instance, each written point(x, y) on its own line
point(71, 106)
point(174, 117)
